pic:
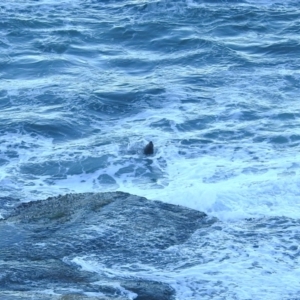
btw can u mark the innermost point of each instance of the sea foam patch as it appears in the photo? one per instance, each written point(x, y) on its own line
point(210, 265)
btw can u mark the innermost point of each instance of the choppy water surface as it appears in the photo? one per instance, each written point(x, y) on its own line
point(214, 84)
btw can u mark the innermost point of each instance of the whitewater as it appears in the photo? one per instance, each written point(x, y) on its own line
point(86, 84)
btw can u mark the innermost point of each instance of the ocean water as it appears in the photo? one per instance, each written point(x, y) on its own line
point(85, 84)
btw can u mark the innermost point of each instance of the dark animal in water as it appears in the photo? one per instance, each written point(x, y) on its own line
point(149, 149)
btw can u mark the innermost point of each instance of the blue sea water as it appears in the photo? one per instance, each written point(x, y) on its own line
point(85, 84)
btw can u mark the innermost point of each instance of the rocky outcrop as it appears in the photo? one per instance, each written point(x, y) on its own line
point(41, 242)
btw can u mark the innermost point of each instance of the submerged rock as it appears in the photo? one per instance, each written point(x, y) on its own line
point(42, 244)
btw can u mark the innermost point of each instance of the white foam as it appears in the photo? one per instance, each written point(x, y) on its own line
point(238, 271)
point(236, 197)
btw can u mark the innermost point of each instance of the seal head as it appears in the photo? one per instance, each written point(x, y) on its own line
point(149, 149)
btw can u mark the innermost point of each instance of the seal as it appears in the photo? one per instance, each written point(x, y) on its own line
point(149, 149)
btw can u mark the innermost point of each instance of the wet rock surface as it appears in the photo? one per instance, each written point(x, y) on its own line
point(41, 240)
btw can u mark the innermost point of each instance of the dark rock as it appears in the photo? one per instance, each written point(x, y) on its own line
point(40, 239)
point(149, 290)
